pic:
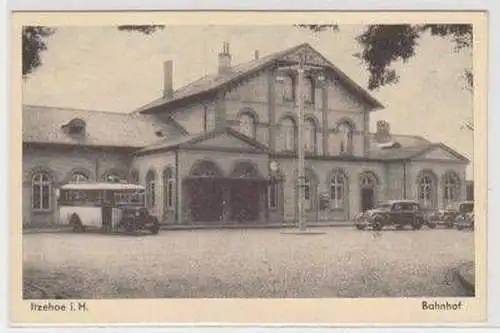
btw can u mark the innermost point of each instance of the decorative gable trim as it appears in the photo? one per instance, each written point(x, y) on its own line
point(226, 84)
point(432, 147)
point(226, 130)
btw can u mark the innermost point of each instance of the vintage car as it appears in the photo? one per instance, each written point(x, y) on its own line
point(138, 218)
point(464, 221)
point(447, 216)
point(398, 213)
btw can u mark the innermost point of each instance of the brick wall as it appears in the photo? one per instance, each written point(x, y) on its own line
point(61, 163)
point(323, 170)
point(157, 163)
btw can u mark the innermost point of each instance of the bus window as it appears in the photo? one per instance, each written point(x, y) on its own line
point(123, 198)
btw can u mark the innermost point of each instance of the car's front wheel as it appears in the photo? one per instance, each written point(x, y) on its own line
point(155, 229)
point(448, 222)
point(417, 224)
point(377, 223)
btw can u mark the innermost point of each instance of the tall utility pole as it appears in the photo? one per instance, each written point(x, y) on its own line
point(301, 68)
point(300, 147)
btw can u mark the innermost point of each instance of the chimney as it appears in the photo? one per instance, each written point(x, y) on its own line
point(224, 58)
point(168, 89)
point(383, 133)
point(256, 55)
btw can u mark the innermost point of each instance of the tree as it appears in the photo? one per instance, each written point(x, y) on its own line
point(384, 44)
point(34, 42)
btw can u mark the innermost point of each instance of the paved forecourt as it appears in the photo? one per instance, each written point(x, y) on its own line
point(343, 262)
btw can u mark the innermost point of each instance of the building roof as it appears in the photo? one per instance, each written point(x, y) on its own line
point(101, 186)
point(188, 140)
point(409, 147)
point(213, 82)
point(42, 124)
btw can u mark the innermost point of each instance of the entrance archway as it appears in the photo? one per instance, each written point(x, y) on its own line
point(246, 192)
point(368, 184)
point(205, 192)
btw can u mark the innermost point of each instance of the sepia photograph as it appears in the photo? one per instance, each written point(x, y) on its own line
point(248, 161)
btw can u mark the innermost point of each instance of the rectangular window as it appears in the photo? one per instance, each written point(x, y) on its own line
point(170, 193)
point(45, 196)
point(307, 196)
point(336, 196)
point(152, 194)
point(36, 197)
point(273, 196)
point(205, 118)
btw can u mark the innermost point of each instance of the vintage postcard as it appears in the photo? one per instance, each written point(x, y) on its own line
point(248, 167)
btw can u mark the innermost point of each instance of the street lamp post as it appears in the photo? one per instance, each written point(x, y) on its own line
point(300, 148)
point(301, 68)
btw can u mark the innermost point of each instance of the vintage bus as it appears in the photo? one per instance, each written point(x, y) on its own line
point(105, 206)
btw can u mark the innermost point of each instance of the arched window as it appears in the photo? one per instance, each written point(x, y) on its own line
point(451, 188)
point(151, 189)
point(366, 181)
point(287, 134)
point(205, 168)
point(247, 124)
point(368, 190)
point(309, 90)
point(41, 192)
point(426, 188)
point(134, 176)
point(310, 136)
point(346, 135)
point(112, 176)
point(79, 177)
point(338, 190)
point(288, 84)
point(168, 188)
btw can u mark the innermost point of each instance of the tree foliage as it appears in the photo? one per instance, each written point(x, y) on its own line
point(34, 42)
point(381, 45)
point(145, 29)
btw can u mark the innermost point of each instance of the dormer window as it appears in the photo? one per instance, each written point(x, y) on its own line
point(75, 126)
point(160, 133)
point(389, 145)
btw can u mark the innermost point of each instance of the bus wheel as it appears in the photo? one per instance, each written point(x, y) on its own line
point(130, 227)
point(155, 230)
point(76, 222)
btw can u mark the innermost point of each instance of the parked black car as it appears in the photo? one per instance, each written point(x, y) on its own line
point(398, 213)
point(138, 218)
point(465, 220)
point(447, 217)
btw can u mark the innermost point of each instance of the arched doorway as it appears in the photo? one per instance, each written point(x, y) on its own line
point(246, 192)
point(205, 188)
point(368, 184)
point(168, 193)
point(451, 185)
point(427, 189)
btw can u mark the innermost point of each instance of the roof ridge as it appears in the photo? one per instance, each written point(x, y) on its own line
point(62, 108)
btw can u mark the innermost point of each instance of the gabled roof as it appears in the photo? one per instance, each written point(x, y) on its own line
point(43, 124)
point(411, 147)
point(441, 145)
point(210, 83)
point(190, 140)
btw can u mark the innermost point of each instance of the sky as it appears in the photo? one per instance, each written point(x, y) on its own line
point(101, 68)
